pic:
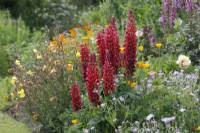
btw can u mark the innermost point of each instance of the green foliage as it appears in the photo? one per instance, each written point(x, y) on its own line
point(15, 39)
point(5, 91)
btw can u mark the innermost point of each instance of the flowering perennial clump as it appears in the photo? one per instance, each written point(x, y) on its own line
point(130, 45)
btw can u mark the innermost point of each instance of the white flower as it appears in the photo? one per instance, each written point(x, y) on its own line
point(182, 110)
point(149, 117)
point(139, 33)
point(93, 40)
point(86, 130)
point(168, 119)
point(114, 99)
point(183, 61)
point(121, 99)
point(134, 130)
point(103, 105)
point(115, 120)
point(92, 128)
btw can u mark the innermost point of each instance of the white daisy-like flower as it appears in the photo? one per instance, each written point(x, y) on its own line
point(182, 110)
point(149, 117)
point(183, 61)
point(139, 33)
point(168, 119)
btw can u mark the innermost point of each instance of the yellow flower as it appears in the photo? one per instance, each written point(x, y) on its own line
point(20, 85)
point(85, 39)
point(13, 80)
point(12, 94)
point(146, 65)
point(17, 62)
point(69, 67)
point(57, 62)
point(21, 93)
point(106, 26)
point(78, 55)
point(35, 116)
point(30, 73)
point(158, 45)
point(198, 128)
point(122, 49)
point(75, 121)
point(141, 48)
point(139, 64)
point(53, 71)
point(98, 107)
point(52, 99)
point(10, 70)
point(35, 51)
point(39, 57)
point(133, 84)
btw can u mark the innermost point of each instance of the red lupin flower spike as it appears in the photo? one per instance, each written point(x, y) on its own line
point(112, 45)
point(92, 80)
point(101, 46)
point(84, 58)
point(76, 97)
point(108, 76)
point(130, 45)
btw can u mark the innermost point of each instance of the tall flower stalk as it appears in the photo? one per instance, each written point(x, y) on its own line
point(92, 80)
point(112, 45)
point(108, 76)
point(130, 45)
point(84, 59)
point(101, 46)
point(76, 97)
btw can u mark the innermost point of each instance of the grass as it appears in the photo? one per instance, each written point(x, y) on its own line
point(9, 125)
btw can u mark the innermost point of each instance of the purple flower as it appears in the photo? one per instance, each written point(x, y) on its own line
point(180, 4)
point(162, 19)
point(149, 81)
point(151, 38)
point(172, 16)
point(188, 4)
point(166, 5)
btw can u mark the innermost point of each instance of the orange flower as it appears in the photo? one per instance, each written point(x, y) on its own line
point(122, 49)
point(61, 37)
point(87, 23)
point(96, 23)
point(79, 26)
point(72, 32)
point(139, 64)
